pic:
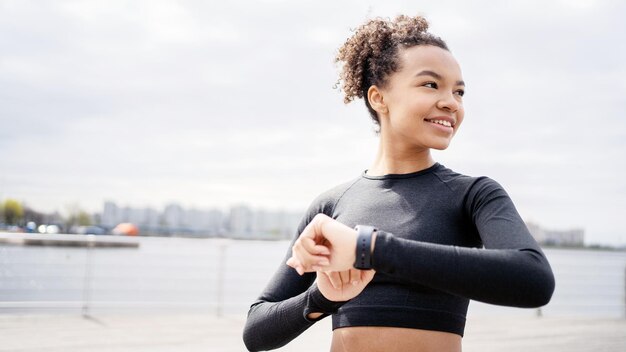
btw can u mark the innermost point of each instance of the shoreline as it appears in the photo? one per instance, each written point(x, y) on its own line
point(112, 241)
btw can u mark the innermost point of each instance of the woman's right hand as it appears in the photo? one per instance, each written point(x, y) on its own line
point(325, 244)
point(345, 285)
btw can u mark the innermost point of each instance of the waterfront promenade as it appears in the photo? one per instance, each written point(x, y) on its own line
point(151, 332)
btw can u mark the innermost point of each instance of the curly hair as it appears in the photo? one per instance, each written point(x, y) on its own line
point(370, 55)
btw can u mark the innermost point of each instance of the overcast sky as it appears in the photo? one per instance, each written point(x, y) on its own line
point(210, 104)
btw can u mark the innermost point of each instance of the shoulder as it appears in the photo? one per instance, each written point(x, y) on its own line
point(458, 180)
point(472, 187)
point(325, 202)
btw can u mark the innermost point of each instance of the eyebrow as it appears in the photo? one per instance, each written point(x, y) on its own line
point(437, 76)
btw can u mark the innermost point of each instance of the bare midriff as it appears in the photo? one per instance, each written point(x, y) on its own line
point(391, 339)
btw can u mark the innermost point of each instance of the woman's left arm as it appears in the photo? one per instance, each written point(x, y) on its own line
point(518, 277)
point(510, 270)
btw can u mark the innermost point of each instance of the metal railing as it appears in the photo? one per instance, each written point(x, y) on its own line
point(223, 277)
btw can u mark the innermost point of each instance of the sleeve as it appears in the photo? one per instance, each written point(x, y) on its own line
point(510, 270)
point(280, 314)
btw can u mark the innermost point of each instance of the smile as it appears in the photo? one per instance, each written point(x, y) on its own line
point(441, 122)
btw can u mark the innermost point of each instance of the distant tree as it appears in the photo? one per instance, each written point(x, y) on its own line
point(76, 216)
point(83, 218)
point(80, 218)
point(12, 211)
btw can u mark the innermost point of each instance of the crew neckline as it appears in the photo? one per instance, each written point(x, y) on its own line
point(396, 176)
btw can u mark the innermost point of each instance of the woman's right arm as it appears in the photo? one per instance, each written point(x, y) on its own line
point(287, 306)
point(280, 314)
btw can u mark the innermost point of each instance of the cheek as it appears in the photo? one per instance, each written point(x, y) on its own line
point(460, 115)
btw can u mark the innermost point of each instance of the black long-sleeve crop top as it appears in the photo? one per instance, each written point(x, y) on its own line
point(444, 238)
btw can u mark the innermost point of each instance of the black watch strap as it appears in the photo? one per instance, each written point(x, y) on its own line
point(363, 259)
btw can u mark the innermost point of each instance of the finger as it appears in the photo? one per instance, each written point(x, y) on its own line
point(300, 266)
point(306, 259)
point(367, 275)
point(292, 262)
point(345, 277)
point(312, 246)
point(309, 261)
point(334, 279)
point(355, 276)
point(312, 230)
point(320, 250)
point(308, 244)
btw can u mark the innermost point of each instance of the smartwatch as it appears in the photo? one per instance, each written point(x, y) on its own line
point(363, 257)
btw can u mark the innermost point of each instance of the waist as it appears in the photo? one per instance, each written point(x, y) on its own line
point(399, 306)
point(392, 339)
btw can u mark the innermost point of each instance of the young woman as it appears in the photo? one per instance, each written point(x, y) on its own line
point(396, 254)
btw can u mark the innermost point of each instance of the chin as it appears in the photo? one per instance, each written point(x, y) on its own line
point(440, 145)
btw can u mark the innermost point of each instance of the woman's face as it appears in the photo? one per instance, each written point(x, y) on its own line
point(424, 99)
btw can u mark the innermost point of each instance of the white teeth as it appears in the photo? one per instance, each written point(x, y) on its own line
point(442, 122)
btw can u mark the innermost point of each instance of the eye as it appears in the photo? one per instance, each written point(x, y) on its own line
point(460, 92)
point(430, 85)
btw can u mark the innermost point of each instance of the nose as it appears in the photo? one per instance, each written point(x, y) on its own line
point(449, 102)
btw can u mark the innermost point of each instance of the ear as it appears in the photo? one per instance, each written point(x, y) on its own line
point(376, 99)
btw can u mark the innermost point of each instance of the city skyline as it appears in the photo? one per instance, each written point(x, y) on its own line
point(238, 220)
point(244, 222)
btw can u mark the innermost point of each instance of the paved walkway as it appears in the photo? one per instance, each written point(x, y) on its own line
point(190, 333)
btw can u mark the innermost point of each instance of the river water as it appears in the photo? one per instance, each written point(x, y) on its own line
point(224, 276)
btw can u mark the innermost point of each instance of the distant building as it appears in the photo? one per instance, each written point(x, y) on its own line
point(207, 222)
point(174, 216)
point(174, 220)
point(150, 218)
point(216, 222)
point(240, 222)
point(567, 238)
point(110, 215)
point(272, 225)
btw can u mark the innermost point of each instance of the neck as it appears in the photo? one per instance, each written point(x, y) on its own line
point(398, 159)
